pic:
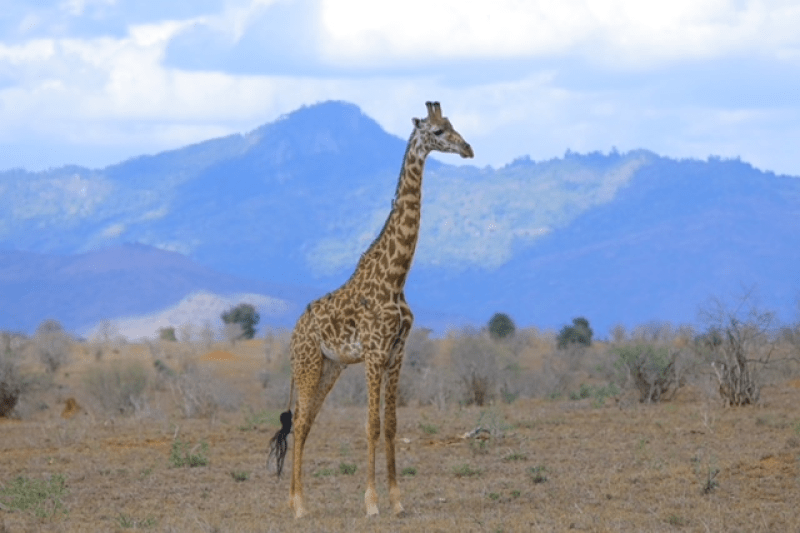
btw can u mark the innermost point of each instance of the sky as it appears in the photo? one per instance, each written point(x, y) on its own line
point(94, 82)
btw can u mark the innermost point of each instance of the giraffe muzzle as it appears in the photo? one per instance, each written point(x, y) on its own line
point(466, 151)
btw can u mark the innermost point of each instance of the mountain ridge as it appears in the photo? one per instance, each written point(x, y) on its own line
point(620, 237)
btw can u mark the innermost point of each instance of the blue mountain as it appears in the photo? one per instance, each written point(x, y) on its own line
point(286, 209)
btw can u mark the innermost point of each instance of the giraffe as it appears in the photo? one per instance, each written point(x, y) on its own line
point(366, 320)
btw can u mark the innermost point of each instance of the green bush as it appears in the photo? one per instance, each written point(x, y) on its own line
point(578, 333)
point(167, 334)
point(501, 326)
point(537, 474)
point(244, 315)
point(347, 469)
point(182, 455)
point(466, 470)
point(240, 476)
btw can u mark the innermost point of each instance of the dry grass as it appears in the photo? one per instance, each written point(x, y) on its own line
point(544, 465)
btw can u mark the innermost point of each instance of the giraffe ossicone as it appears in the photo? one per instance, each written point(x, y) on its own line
point(366, 320)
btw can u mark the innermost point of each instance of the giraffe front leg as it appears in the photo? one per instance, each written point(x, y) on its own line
point(373, 434)
point(389, 434)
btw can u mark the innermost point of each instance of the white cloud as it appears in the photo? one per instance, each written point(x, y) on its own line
point(113, 231)
point(78, 7)
point(511, 74)
point(608, 31)
point(33, 51)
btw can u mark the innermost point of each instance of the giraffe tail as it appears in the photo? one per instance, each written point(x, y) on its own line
point(278, 445)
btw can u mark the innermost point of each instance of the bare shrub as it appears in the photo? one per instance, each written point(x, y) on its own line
point(11, 382)
point(420, 350)
point(120, 388)
point(108, 334)
point(275, 378)
point(739, 341)
point(475, 360)
point(276, 350)
point(618, 333)
point(185, 332)
point(653, 361)
point(200, 395)
point(206, 335)
point(351, 387)
point(652, 369)
point(52, 345)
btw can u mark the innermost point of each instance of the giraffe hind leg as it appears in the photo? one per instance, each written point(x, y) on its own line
point(312, 389)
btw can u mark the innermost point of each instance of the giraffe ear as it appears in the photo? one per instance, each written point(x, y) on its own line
point(416, 122)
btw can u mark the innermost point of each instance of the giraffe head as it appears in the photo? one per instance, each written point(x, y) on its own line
point(436, 133)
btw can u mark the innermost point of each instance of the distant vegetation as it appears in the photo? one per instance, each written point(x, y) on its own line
point(578, 333)
point(243, 316)
point(740, 350)
point(501, 326)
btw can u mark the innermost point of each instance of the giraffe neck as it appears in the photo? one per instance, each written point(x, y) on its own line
point(388, 260)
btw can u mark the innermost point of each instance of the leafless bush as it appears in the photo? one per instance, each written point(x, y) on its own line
point(351, 387)
point(474, 358)
point(185, 333)
point(52, 345)
point(652, 360)
point(201, 395)
point(206, 335)
point(417, 366)
point(275, 378)
point(108, 335)
point(120, 388)
point(276, 350)
point(654, 369)
point(740, 342)
point(11, 383)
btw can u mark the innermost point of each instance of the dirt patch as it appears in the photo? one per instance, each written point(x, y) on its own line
point(548, 465)
point(219, 355)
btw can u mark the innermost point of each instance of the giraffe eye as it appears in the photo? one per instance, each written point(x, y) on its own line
point(438, 132)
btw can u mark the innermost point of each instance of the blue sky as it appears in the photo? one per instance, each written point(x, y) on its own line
point(93, 82)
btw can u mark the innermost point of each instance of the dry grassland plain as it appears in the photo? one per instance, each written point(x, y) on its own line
point(688, 464)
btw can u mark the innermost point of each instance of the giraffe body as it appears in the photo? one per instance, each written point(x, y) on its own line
point(367, 319)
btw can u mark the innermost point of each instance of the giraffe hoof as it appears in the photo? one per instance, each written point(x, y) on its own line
point(297, 506)
point(371, 501)
point(399, 512)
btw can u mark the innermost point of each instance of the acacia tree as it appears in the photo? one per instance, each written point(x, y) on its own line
point(578, 333)
point(245, 316)
point(501, 326)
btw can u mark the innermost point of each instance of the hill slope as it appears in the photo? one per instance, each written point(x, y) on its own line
point(616, 238)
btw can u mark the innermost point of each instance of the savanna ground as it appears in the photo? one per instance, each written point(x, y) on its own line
point(545, 443)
